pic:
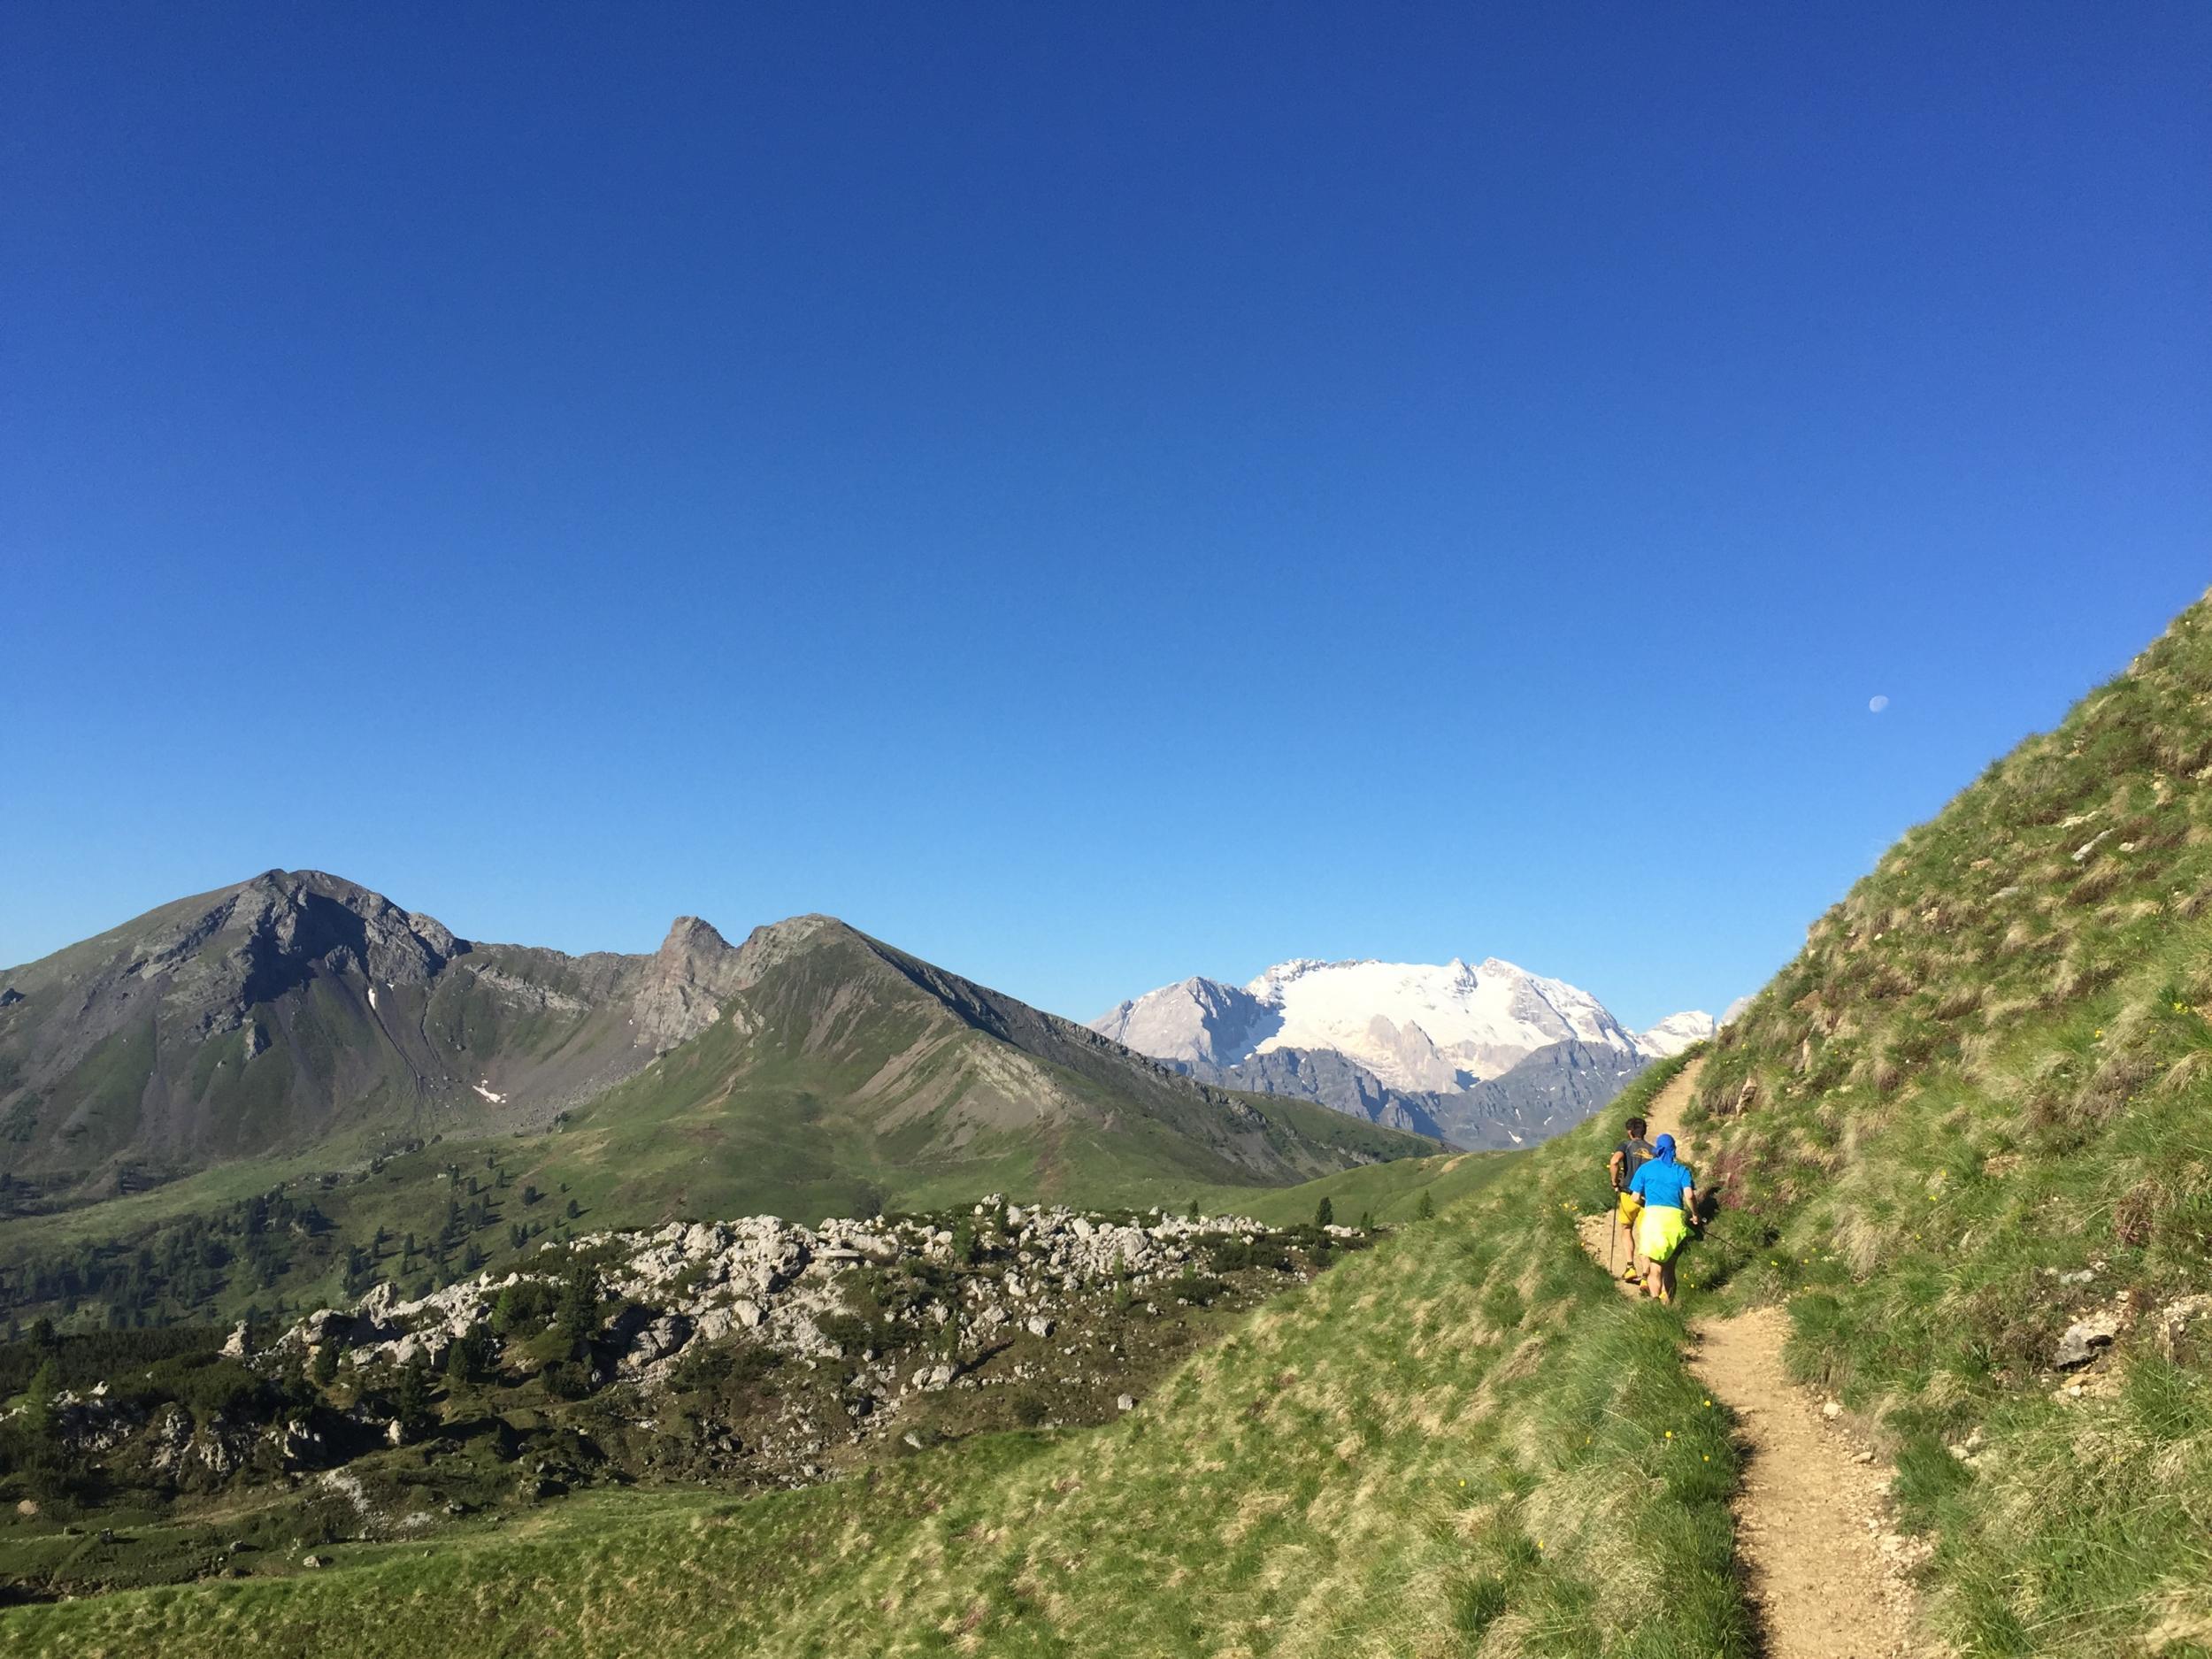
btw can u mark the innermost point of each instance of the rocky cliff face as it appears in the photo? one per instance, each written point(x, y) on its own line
point(683, 986)
point(1549, 1092)
point(1198, 1022)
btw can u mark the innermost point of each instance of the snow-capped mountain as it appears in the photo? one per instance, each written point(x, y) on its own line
point(1676, 1032)
point(1415, 1026)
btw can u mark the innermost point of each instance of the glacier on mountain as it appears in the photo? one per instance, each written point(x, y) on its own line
point(1415, 1025)
point(1675, 1032)
point(1446, 1049)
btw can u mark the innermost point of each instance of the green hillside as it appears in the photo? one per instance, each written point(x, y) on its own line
point(1384, 1193)
point(1977, 1108)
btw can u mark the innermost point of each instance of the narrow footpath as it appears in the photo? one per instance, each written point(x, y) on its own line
point(1827, 1574)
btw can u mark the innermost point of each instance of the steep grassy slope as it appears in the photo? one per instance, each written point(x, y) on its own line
point(1384, 1193)
point(1977, 1108)
point(1461, 1441)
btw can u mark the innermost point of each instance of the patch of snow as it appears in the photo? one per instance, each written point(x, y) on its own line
point(495, 1099)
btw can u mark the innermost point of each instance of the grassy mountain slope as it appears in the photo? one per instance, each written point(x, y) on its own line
point(1386, 1193)
point(843, 1069)
point(1460, 1441)
point(1977, 1108)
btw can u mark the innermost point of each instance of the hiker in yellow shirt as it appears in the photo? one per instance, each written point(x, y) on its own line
point(1630, 1156)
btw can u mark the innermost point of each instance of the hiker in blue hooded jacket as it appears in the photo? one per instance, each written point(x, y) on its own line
point(1668, 1187)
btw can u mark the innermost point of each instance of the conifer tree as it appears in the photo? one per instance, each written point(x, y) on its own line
point(412, 1406)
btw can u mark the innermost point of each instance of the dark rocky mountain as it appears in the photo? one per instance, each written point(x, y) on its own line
point(296, 1006)
point(299, 1011)
point(1548, 1093)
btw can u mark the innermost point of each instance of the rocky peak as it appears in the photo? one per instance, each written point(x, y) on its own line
point(691, 942)
point(1676, 1032)
point(686, 983)
point(263, 936)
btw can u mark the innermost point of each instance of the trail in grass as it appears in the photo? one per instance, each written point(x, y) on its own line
point(1824, 1575)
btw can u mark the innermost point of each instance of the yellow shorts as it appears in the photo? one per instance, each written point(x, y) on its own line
point(1660, 1231)
point(1626, 1213)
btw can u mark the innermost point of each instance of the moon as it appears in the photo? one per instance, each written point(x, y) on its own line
point(1875, 706)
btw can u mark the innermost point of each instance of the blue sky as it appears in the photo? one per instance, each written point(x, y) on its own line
point(1090, 498)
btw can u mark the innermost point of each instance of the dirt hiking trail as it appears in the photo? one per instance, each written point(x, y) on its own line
point(1826, 1573)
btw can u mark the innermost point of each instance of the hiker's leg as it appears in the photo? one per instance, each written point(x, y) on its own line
point(1666, 1281)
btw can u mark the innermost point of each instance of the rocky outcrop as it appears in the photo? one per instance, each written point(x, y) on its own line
point(685, 984)
point(1001, 1277)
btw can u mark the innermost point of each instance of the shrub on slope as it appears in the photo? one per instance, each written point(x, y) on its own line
point(1977, 1108)
point(1461, 1441)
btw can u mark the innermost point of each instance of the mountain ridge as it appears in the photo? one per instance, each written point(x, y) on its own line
point(809, 1067)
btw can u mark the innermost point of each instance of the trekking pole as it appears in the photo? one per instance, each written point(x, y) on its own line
point(1612, 1238)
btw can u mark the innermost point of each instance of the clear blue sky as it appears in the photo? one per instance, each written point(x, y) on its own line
point(1089, 496)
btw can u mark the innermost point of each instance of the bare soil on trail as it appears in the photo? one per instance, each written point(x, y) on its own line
point(1827, 1574)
